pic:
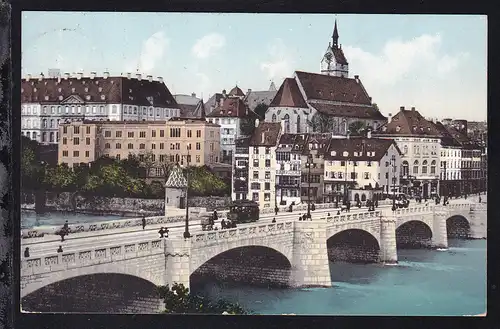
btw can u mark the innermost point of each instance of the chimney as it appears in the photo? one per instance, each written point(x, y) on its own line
point(28, 77)
point(356, 77)
point(66, 76)
point(249, 91)
point(150, 78)
point(106, 75)
point(93, 74)
point(256, 123)
point(138, 76)
point(413, 108)
point(263, 135)
point(389, 118)
point(59, 79)
point(129, 75)
point(401, 108)
point(160, 79)
point(41, 77)
point(224, 93)
point(193, 94)
point(79, 75)
point(369, 134)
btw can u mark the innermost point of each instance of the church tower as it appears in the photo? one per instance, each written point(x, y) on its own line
point(334, 62)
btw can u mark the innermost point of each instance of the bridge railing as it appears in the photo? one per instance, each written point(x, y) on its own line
point(89, 256)
point(353, 217)
point(244, 232)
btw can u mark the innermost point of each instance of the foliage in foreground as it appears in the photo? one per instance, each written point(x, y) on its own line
point(177, 299)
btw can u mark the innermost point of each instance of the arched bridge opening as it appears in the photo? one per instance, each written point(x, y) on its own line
point(353, 246)
point(458, 227)
point(413, 235)
point(95, 293)
point(251, 265)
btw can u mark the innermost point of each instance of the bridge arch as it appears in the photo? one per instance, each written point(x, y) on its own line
point(414, 234)
point(95, 293)
point(31, 283)
point(458, 226)
point(249, 264)
point(354, 245)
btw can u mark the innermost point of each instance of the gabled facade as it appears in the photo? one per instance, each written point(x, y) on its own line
point(46, 102)
point(420, 142)
point(240, 169)
point(312, 167)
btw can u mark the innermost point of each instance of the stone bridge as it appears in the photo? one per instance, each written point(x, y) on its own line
point(302, 247)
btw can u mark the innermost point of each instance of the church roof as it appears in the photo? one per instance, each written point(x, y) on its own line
point(339, 56)
point(349, 111)
point(332, 88)
point(409, 123)
point(288, 95)
point(254, 98)
point(176, 179)
point(272, 87)
point(236, 91)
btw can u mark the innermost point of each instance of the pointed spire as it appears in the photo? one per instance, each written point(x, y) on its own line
point(272, 87)
point(335, 36)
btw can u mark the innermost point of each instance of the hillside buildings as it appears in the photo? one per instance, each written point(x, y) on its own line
point(175, 141)
point(47, 102)
point(329, 102)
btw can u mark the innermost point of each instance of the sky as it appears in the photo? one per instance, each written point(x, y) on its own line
point(436, 63)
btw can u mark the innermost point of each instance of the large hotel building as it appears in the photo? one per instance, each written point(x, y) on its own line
point(177, 140)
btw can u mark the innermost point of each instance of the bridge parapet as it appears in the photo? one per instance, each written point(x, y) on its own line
point(259, 230)
point(89, 256)
point(353, 217)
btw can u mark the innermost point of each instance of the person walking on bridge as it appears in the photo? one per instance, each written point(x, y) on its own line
point(143, 222)
point(60, 249)
point(274, 220)
point(26, 252)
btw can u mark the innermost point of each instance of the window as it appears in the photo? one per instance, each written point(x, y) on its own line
point(424, 167)
point(87, 130)
point(64, 153)
point(107, 133)
point(45, 110)
point(342, 163)
point(267, 175)
point(118, 146)
point(87, 154)
point(118, 134)
point(76, 141)
point(87, 141)
point(153, 133)
point(255, 186)
point(255, 196)
point(130, 134)
point(65, 129)
point(198, 133)
point(189, 134)
point(366, 175)
point(175, 132)
point(107, 146)
point(255, 150)
point(415, 167)
point(405, 149)
point(162, 145)
point(44, 123)
point(142, 134)
point(268, 150)
point(198, 146)
point(198, 158)
point(268, 163)
point(433, 167)
point(153, 146)
point(267, 196)
point(76, 154)
point(142, 146)
point(64, 140)
point(51, 138)
point(117, 157)
point(255, 162)
point(267, 186)
point(162, 133)
point(369, 163)
point(130, 146)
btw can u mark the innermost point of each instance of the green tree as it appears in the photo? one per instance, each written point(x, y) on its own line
point(60, 178)
point(321, 123)
point(203, 182)
point(247, 126)
point(157, 189)
point(147, 162)
point(357, 128)
point(178, 299)
point(32, 168)
point(261, 110)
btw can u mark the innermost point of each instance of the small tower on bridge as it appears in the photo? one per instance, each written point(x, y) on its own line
point(175, 189)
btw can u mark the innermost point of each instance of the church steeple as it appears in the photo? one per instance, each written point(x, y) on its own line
point(335, 36)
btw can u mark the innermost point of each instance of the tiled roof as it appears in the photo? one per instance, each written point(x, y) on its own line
point(409, 123)
point(114, 90)
point(288, 95)
point(349, 111)
point(176, 178)
point(199, 111)
point(364, 146)
point(186, 99)
point(296, 142)
point(447, 140)
point(186, 110)
point(254, 98)
point(332, 88)
point(236, 91)
point(213, 101)
point(316, 142)
point(232, 107)
point(266, 134)
point(463, 139)
point(339, 56)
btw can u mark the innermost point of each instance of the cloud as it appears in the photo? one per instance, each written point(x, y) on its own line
point(153, 50)
point(208, 45)
point(280, 64)
point(402, 59)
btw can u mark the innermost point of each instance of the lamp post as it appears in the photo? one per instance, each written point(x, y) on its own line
point(393, 163)
point(309, 164)
point(186, 227)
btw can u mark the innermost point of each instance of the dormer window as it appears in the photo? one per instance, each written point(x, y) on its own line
point(46, 98)
point(72, 90)
point(355, 154)
point(60, 98)
point(130, 90)
point(414, 128)
point(87, 97)
point(398, 128)
point(22, 90)
point(86, 89)
point(100, 89)
point(112, 81)
point(34, 89)
point(59, 89)
point(333, 153)
point(97, 82)
point(83, 82)
point(345, 153)
point(103, 97)
point(71, 82)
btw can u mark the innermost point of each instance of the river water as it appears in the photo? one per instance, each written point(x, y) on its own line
point(425, 282)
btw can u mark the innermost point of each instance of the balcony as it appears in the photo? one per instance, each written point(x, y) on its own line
point(288, 172)
point(288, 185)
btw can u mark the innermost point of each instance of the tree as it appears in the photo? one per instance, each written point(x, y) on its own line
point(178, 299)
point(261, 110)
point(357, 128)
point(147, 161)
point(157, 189)
point(321, 123)
point(247, 126)
point(32, 168)
point(60, 178)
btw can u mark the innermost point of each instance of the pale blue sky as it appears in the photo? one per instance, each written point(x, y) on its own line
point(435, 63)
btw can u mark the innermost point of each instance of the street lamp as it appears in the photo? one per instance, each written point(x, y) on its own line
point(309, 163)
point(393, 163)
point(186, 227)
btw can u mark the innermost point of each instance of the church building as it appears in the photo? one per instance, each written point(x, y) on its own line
point(326, 102)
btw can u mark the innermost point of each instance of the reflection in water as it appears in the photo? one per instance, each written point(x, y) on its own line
point(425, 282)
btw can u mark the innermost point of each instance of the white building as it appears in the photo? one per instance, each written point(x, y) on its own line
point(361, 164)
point(450, 162)
point(240, 169)
point(420, 142)
point(329, 102)
point(263, 165)
point(45, 102)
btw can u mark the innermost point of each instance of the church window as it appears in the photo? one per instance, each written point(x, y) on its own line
point(274, 118)
point(287, 123)
point(298, 124)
